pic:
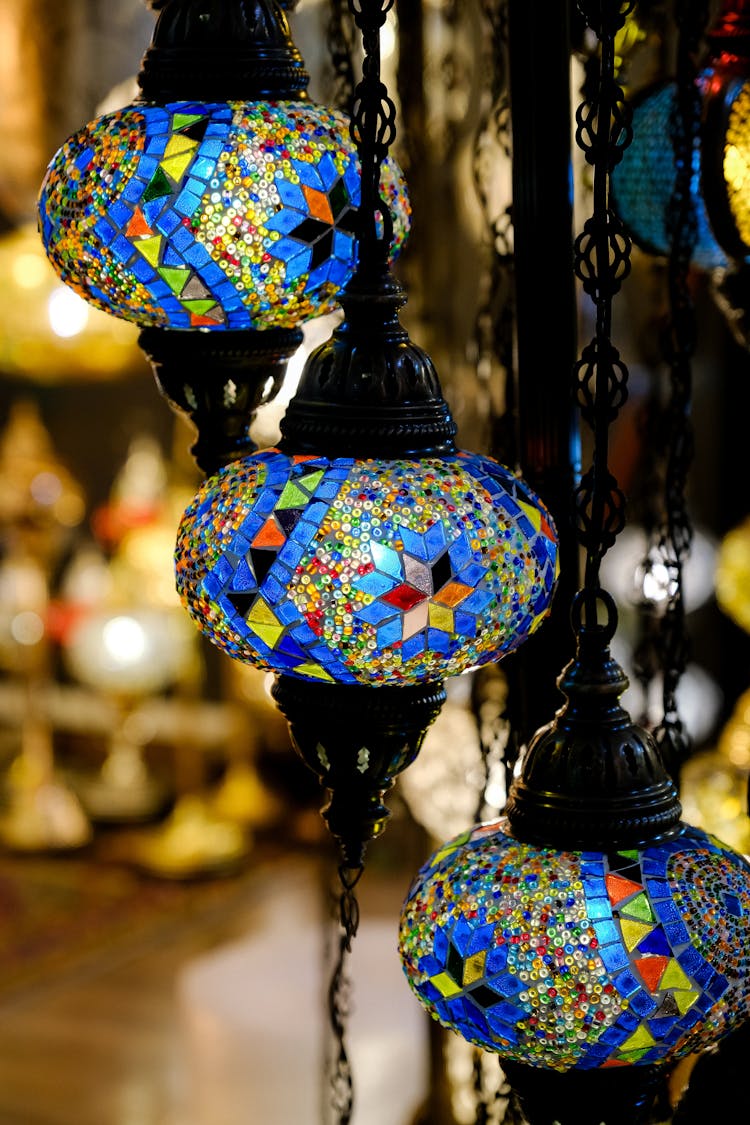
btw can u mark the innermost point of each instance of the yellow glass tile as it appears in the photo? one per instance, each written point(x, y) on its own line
point(445, 985)
point(641, 1039)
point(179, 143)
point(474, 967)
point(150, 248)
point(685, 1000)
point(633, 932)
point(176, 165)
point(441, 617)
point(674, 977)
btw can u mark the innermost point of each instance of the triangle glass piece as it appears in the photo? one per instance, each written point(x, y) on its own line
point(619, 889)
point(651, 969)
point(158, 186)
point(138, 227)
point(633, 932)
point(176, 165)
point(150, 248)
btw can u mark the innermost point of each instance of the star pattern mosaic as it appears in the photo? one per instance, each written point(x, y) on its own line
point(211, 215)
point(366, 571)
point(581, 959)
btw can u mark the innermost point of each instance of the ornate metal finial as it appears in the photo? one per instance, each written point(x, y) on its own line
point(370, 390)
point(234, 50)
point(593, 778)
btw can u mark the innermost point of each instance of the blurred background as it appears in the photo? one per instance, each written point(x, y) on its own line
point(164, 871)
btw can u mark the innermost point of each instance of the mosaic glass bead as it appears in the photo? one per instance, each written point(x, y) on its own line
point(581, 959)
point(219, 215)
point(374, 572)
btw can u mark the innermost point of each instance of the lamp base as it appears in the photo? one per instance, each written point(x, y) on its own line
point(219, 380)
point(357, 739)
point(620, 1096)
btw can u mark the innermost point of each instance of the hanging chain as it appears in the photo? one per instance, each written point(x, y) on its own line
point(601, 264)
point(373, 130)
point(676, 533)
point(339, 990)
point(494, 328)
point(340, 42)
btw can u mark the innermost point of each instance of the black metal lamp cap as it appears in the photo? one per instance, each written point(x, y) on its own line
point(369, 391)
point(592, 779)
point(232, 50)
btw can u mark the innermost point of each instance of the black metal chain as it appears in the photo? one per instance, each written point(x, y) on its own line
point(494, 326)
point(339, 1068)
point(676, 533)
point(340, 43)
point(601, 263)
point(373, 130)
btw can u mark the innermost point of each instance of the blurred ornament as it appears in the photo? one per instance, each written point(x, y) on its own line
point(38, 495)
point(242, 798)
point(193, 842)
point(130, 652)
point(643, 183)
point(47, 332)
point(712, 791)
point(733, 575)
point(41, 812)
point(734, 739)
point(639, 573)
point(442, 787)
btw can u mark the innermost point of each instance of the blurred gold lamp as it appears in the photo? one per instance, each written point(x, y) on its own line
point(49, 333)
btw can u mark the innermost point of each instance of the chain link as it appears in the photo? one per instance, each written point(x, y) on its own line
point(339, 996)
point(601, 264)
point(340, 42)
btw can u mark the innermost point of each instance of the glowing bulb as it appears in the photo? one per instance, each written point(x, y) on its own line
point(67, 312)
point(30, 271)
point(27, 628)
point(124, 640)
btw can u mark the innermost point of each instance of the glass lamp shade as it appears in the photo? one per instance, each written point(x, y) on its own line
point(584, 960)
point(211, 215)
point(366, 572)
point(644, 180)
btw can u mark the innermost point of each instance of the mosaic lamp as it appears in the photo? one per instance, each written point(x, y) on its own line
point(644, 182)
point(217, 212)
point(589, 937)
point(366, 558)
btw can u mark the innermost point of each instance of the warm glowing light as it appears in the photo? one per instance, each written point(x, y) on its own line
point(68, 313)
point(124, 639)
point(27, 628)
point(30, 271)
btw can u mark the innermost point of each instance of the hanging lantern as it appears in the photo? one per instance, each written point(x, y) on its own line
point(215, 215)
point(353, 570)
point(643, 183)
point(589, 937)
point(217, 212)
point(590, 927)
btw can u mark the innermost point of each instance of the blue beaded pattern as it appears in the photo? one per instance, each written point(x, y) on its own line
point(366, 571)
point(210, 215)
point(581, 959)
